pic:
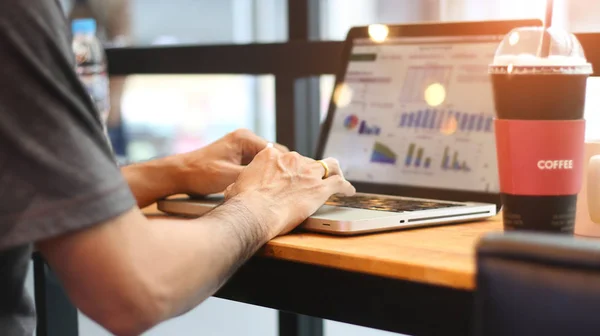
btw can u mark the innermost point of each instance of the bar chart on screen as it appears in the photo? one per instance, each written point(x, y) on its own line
point(415, 157)
point(435, 120)
point(436, 159)
point(365, 129)
point(452, 162)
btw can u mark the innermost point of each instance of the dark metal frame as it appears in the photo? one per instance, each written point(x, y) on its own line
point(56, 315)
point(393, 305)
point(360, 299)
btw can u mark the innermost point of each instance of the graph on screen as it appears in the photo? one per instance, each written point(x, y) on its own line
point(415, 157)
point(351, 121)
point(383, 154)
point(452, 162)
point(434, 119)
point(368, 130)
point(422, 118)
point(420, 77)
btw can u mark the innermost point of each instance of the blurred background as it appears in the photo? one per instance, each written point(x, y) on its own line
point(166, 114)
point(158, 115)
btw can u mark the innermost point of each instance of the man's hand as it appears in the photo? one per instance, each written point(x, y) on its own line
point(286, 188)
point(205, 171)
point(213, 168)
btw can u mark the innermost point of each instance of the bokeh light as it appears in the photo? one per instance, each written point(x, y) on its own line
point(514, 38)
point(435, 94)
point(450, 126)
point(342, 95)
point(378, 32)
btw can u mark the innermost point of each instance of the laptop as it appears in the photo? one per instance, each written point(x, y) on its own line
point(411, 122)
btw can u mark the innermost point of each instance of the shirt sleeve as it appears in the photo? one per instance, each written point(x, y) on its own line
point(57, 171)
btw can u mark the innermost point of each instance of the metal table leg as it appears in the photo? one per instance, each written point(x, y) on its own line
point(56, 316)
point(291, 324)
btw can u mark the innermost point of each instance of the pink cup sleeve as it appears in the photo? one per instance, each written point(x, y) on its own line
point(540, 157)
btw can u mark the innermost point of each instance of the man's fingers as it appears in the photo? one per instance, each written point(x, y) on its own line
point(268, 151)
point(280, 148)
point(232, 170)
point(251, 144)
point(338, 185)
point(334, 167)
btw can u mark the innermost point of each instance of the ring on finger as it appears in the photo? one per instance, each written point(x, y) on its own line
point(326, 167)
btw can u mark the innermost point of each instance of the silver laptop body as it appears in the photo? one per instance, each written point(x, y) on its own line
point(340, 220)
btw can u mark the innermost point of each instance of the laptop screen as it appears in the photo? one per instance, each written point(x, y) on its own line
point(417, 111)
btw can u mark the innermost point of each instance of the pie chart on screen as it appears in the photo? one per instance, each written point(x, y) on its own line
point(351, 122)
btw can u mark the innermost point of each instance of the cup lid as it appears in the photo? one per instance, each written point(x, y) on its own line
point(521, 52)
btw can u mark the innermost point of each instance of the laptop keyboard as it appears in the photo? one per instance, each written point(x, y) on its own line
point(387, 203)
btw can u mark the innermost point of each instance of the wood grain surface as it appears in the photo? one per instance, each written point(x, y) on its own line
point(442, 255)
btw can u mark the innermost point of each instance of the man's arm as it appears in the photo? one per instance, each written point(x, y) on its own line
point(129, 273)
point(154, 180)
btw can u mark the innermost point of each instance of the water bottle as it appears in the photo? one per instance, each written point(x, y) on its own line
point(91, 65)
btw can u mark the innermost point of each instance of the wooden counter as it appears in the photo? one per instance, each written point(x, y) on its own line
point(443, 255)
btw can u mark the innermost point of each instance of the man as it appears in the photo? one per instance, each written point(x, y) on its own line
point(61, 191)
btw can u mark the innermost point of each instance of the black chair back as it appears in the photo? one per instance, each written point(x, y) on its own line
point(537, 284)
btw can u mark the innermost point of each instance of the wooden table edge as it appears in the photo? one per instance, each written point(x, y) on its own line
point(385, 268)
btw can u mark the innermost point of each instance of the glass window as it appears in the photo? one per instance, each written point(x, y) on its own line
point(195, 22)
point(160, 115)
point(458, 10)
point(572, 15)
point(338, 16)
point(158, 22)
point(582, 15)
point(168, 114)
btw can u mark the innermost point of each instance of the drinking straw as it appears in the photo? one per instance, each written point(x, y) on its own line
point(544, 50)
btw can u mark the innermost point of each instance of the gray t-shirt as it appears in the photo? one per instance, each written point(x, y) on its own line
point(57, 173)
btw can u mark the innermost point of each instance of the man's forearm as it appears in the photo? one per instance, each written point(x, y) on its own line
point(153, 180)
point(130, 274)
point(223, 240)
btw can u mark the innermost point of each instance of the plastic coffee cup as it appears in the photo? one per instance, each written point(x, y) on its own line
point(539, 128)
